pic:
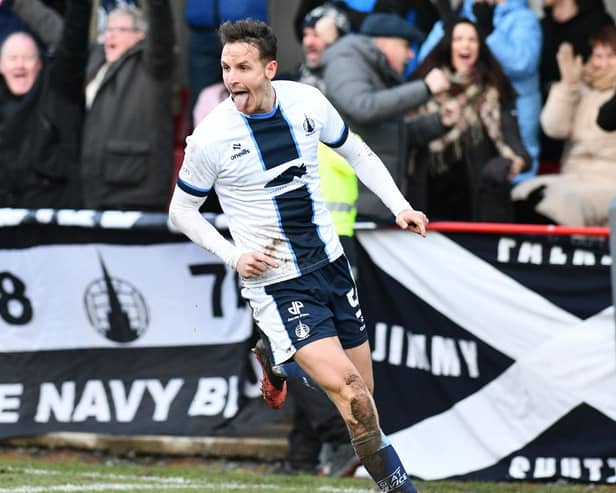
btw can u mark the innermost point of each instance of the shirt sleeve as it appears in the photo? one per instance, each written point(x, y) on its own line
point(197, 175)
point(196, 178)
point(373, 173)
point(334, 132)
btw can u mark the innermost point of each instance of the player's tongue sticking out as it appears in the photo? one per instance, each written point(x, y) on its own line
point(241, 101)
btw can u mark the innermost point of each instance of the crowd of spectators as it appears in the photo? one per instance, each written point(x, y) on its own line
point(466, 101)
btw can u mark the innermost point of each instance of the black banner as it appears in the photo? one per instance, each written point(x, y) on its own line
point(125, 329)
point(494, 355)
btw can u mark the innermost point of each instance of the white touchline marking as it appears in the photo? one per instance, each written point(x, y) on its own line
point(169, 484)
point(97, 487)
point(102, 475)
point(104, 487)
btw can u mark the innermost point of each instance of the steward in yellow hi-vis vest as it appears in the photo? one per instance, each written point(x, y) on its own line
point(339, 189)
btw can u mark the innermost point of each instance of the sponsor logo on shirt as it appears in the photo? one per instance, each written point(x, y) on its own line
point(243, 152)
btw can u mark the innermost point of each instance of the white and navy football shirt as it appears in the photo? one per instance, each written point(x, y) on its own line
point(265, 171)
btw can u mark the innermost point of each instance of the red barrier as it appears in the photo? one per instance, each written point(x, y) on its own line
point(507, 228)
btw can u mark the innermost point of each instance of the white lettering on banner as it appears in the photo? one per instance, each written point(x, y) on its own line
point(163, 396)
point(126, 405)
point(566, 467)
point(527, 252)
point(445, 355)
point(215, 396)
point(10, 402)
point(94, 402)
point(445, 359)
point(60, 403)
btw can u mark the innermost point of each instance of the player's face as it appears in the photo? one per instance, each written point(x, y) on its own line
point(464, 48)
point(248, 78)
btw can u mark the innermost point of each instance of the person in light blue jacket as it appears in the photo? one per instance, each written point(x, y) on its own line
point(513, 33)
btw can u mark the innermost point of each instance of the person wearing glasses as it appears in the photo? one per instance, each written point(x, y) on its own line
point(127, 158)
point(127, 150)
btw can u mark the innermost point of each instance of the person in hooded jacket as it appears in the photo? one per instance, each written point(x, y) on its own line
point(513, 34)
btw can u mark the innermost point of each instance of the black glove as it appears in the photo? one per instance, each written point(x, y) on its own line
point(484, 12)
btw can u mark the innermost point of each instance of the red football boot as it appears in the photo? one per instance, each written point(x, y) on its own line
point(273, 387)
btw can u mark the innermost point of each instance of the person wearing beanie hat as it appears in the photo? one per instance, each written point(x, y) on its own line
point(322, 26)
point(341, 21)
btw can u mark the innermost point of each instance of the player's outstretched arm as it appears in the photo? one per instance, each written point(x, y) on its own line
point(375, 175)
point(412, 220)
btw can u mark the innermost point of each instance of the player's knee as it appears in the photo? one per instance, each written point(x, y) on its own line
point(362, 419)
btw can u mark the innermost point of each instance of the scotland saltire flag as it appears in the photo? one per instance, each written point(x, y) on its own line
point(494, 355)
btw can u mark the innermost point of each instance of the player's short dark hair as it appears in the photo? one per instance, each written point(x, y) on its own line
point(257, 33)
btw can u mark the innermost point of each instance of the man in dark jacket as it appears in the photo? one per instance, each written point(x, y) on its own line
point(127, 158)
point(41, 115)
point(363, 75)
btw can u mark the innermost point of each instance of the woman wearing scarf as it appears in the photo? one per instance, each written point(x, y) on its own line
point(581, 193)
point(465, 172)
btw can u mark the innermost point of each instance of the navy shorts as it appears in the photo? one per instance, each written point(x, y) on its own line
point(322, 303)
